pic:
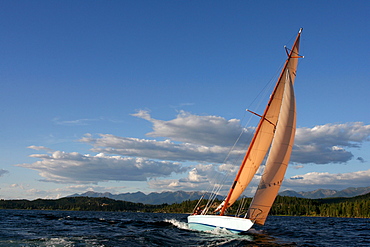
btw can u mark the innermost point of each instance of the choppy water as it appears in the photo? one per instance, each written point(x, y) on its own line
point(76, 228)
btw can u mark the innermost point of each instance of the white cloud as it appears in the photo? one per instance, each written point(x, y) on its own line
point(205, 140)
point(62, 167)
point(316, 180)
point(199, 178)
point(202, 130)
point(298, 167)
point(83, 121)
point(163, 150)
point(209, 138)
point(40, 148)
point(328, 143)
point(202, 178)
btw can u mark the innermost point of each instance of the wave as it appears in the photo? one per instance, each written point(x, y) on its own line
point(178, 224)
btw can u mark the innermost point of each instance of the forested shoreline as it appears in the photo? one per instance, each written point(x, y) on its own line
point(354, 207)
point(79, 204)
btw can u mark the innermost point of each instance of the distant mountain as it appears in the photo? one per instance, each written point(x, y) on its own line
point(153, 198)
point(291, 193)
point(325, 193)
point(169, 197)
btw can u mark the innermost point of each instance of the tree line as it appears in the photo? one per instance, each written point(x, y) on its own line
point(358, 206)
point(79, 204)
point(355, 207)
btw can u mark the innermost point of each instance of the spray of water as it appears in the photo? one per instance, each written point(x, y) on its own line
point(178, 224)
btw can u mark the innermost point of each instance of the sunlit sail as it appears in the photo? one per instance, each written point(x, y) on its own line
point(275, 132)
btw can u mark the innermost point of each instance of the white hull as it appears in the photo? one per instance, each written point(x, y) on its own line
point(210, 222)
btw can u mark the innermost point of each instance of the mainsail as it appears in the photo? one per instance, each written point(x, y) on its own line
point(276, 126)
point(278, 159)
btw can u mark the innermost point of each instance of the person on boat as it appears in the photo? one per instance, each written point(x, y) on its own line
point(198, 211)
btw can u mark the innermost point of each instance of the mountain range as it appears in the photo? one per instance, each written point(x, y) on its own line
point(169, 197)
point(153, 198)
point(325, 193)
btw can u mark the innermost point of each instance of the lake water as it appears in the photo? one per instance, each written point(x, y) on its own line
point(79, 228)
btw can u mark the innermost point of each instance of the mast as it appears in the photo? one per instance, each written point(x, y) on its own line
point(265, 130)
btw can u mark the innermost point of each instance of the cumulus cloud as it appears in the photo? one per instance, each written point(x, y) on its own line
point(194, 181)
point(325, 144)
point(328, 143)
point(195, 129)
point(202, 178)
point(316, 180)
point(204, 141)
point(62, 167)
point(209, 139)
point(197, 180)
point(163, 150)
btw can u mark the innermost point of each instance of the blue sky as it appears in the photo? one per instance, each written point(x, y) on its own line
point(126, 96)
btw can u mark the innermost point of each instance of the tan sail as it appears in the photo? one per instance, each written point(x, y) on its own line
point(278, 159)
point(275, 132)
point(258, 148)
point(265, 131)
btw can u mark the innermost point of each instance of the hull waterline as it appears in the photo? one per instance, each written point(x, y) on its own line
point(211, 222)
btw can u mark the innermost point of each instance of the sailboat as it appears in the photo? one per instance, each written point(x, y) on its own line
point(274, 135)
